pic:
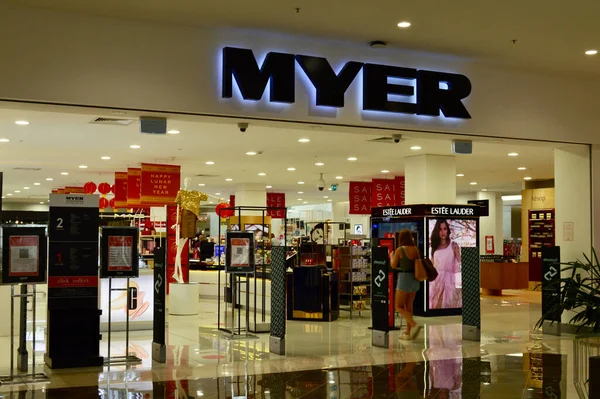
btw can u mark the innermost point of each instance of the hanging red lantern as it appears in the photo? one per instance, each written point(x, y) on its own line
point(104, 188)
point(112, 203)
point(103, 203)
point(112, 189)
point(223, 210)
point(89, 187)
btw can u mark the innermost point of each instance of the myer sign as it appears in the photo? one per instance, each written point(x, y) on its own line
point(279, 69)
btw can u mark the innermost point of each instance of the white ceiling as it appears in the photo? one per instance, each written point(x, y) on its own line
point(549, 34)
point(59, 142)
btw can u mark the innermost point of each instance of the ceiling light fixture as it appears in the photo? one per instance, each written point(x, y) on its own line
point(513, 154)
point(352, 159)
point(4, 140)
point(300, 192)
point(201, 184)
point(49, 179)
point(303, 140)
point(209, 162)
point(300, 182)
point(80, 167)
point(522, 168)
point(217, 193)
point(404, 24)
point(291, 169)
point(591, 52)
point(173, 131)
point(512, 197)
point(484, 189)
point(105, 158)
point(17, 191)
point(268, 186)
point(8, 195)
point(385, 171)
point(415, 148)
point(229, 179)
point(22, 123)
point(305, 202)
point(460, 175)
point(42, 203)
point(325, 196)
point(135, 146)
point(251, 153)
point(527, 178)
point(473, 183)
point(262, 174)
point(319, 164)
point(66, 173)
point(25, 188)
point(37, 184)
point(339, 177)
point(329, 200)
point(299, 199)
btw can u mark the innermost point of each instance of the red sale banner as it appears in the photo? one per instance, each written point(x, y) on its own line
point(360, 198)
point(120, 190)
point(134, 177)
point(160, 184)
point(383, 193)
point(400, 190)
point(276, 200)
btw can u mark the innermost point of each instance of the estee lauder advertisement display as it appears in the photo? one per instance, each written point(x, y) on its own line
point(439, 231)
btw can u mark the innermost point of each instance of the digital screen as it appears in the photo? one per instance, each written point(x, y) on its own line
point(446, 238)
point(260, 231)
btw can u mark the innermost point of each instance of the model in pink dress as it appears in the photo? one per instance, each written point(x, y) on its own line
point(445, 255)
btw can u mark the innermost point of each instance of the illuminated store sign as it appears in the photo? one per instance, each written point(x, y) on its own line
point(450, 211)
point(436, 93)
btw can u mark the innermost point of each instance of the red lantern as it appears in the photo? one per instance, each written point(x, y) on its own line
point(223, 211)
point(112, 203)
point(103, 203)
point(112, 188)
point(104, 188)
point(89, 187)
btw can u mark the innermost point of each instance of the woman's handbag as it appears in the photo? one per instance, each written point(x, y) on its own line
point(420, 270)
point(430, 270)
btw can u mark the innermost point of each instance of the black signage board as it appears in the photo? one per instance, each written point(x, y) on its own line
point(73, 315)
point(24, 255)
point(160, 296)
point(379, 287)
point(119, 256)
point(551, 284)
point(239, 257)
point(484, 206)
point(417, 211)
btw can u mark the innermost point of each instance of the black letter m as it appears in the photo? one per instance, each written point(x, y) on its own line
point(252, 81)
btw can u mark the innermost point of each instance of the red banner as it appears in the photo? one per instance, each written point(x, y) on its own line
point(384, 193)
point(400, 190)
point(134, 181)
point(120, 190)
point(232, 201)
point(160, 184)
point(276, 200)
point(74, 190)
point(360, 198)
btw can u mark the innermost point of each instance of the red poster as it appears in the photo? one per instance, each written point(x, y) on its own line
point(160, 184)
point(276, 200)
point(120, 250)
point(383, 193)
point(134, 177)
point(400, 190)
point(120, 190)
point(360, 198)
point(232, 201)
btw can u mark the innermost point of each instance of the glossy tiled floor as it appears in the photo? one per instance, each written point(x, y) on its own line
point(329, 360)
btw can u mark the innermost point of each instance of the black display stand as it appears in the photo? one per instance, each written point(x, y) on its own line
point(119, 256)
point(27, 248)
point(551, 290)
point(73, 337)
point(159, 347)
point(380, 300)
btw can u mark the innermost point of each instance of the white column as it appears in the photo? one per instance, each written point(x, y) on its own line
point(430, 179)
point(492, 225)
point(250, 195)
point(573, 204)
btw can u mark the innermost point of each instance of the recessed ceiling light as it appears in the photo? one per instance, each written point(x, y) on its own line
point(49, 179)
point(262, 174)
point(105, 158)
point(352, 159)
point(217, 193)
point(299, 199)
point(8, 195)
point(305, 202)
point(473, 183)
point(325, 196)
point(17, 191)
point(173, 131)
point(42, 203)
point(4, 140)
point(229, 179)
point(22, 123)
point(67, 173)
point(291, 169)
point(209, 162)
point(513, 154)
point(303, 140)
point(339, 177)
point(37, 184)
point(210, 202)
point(385, 171)
point(329, 200)
point(404, 24)
point(3, 197)
point(484, 189)
point(80, 167)
point(591, 52)
point(300, 182)
point(415, 148)
point(268, 186)
point(300, 192)
point(201, 184)
point(135, 146)
point(251, 153)
point(25, 188)
point(319, 164)
point(460, 175)
point(522, 168)
point(527, 178)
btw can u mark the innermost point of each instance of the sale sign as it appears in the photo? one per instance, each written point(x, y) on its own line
point(360, 198)
point(120, 190)
point(400, 190)
point(384, 193)
point(276, 200)
point(160, 184)
point(134, 182)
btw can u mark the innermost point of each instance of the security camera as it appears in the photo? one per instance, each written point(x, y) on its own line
point(243, 127)
point(321, 183)
point(396, 138)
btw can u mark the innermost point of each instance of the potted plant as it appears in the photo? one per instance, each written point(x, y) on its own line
point(578, 291)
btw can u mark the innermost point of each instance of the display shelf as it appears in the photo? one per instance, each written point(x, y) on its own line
point(541, 235)
point(354, 264)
